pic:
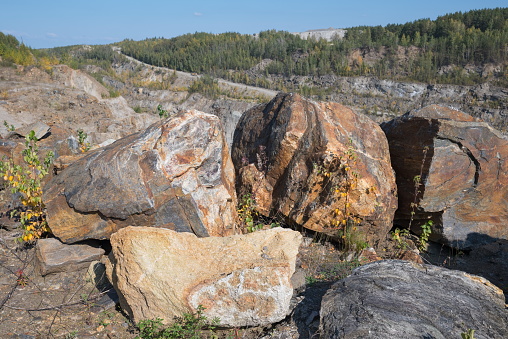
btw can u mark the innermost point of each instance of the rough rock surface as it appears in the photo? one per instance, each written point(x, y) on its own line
point(70, 99)
point(292, 154)
point(464, 175)
point(242, 279)
point(400, 299)
point(54, 256)
point(176, 174)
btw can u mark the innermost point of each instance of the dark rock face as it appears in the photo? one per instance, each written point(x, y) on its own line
point(400, 299)
point(176, 174)
point(292, 154)
point(464, 175)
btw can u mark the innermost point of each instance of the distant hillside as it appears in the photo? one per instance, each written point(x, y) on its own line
point(456, 60)
point(452, 49)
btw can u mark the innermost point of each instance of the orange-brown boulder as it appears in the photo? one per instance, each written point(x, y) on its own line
point(451, 168)
point(318, 165)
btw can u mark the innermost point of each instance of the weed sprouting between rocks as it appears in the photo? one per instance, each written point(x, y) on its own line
point(189, 326)
point(341, 177)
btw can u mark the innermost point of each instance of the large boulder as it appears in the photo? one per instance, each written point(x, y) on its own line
point(400, 299)
point(316, 164)
point(244, 280)
point(451, 169)
point(176, 174)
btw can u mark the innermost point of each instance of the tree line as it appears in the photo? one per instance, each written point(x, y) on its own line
point(459, 39)
point(12, 51)
point(426, 46)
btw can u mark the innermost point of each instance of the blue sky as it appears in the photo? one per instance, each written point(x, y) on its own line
point(51, 23)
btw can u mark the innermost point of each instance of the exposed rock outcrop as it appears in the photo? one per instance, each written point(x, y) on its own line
point(70, 99)
point(77, 79)
point(316, 164)
point(243, 279)
point(461, 165)
point(176, 174)
point(400, 299)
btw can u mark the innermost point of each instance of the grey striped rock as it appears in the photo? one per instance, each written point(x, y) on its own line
point(176, 174)
point(400, 299)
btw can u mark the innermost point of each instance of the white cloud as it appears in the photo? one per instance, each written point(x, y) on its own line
point(51, 35)
point(198, 14)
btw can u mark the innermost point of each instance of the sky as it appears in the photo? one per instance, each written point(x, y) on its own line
point(53, 23)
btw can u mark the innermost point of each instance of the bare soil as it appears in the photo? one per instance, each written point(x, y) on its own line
point(70, 305)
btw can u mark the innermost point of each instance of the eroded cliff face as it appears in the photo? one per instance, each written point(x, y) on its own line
point(74, 99)
point(69, 99)
point(382, 100)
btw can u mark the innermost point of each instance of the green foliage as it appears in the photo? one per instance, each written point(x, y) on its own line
point(249, 216)
point(189, 326)
point(84, 146)
point(13, 51)
point(424, 237)
point(162, 112)
point(339, 271)
point(71, 335)
point(247, 213)
point(426, 228)
point(339, 172)
point(469, 334)
point(113, 93)
point(207, 86)
point(79, 56)
point(475, 37)
point(400, 236)
point(9, 127)
point(26, 179)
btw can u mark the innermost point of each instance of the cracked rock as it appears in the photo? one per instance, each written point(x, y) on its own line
point(291, 154)
point(451, 168)
point(176, 174)
point(399, 299)
point(163, 274)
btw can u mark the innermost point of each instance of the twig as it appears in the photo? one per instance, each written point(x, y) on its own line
point(57, 307)
point(8, 296)
point(16, 284)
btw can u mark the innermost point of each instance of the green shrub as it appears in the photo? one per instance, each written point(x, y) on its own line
point(207, 86)
point(26, 179)
point(189, 326)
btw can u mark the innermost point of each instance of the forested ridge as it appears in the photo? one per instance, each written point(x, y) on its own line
point(453, 49)
point(473, 38)
point(11, 50)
